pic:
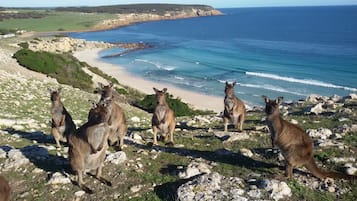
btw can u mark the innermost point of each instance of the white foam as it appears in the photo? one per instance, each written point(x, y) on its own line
point(301, 81)
point(157, 64)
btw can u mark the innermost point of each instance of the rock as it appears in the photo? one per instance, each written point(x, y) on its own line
point(255, 193)
point(335, 98)
point(351, 170)
point(316, 109)
point(137, 137)
point(135, 119)
point(135, 189)
point(79, 193)
point(116, 158)
point(313, 98)
point(293, 121)
point(246, 152)
point(193, 169)
point(350, 97)
point(58, 178)
point(15, 154)
point(3, 154)
point(321, 133)
point(280, 190)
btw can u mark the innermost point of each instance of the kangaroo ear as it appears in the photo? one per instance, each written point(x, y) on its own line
point(155, 89)
point(266, 99)
point(49, 90)
point(101, 85)
point(234, 83)
point(279, 100)
point(227, 83)
point(93, 103)
point(111, 84)
point(59, 89)
point(164, 90)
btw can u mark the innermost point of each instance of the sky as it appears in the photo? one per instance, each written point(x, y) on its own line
point(214, 3)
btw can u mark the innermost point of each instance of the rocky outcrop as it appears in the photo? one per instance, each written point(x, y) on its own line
point(65, 44)
point(132, 18)
point(214, 186)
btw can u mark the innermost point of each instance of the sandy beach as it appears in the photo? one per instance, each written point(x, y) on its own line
point(196, 100)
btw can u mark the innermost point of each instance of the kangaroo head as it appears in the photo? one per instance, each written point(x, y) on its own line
point(100, 112)
point(106, 91)
point(229, 90)
point(272, 106)
point(55, 94)
point(160, 96)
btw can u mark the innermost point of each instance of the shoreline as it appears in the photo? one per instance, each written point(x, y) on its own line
point(194, 99)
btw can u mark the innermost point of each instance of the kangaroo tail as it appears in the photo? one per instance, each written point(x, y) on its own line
point(317, 172)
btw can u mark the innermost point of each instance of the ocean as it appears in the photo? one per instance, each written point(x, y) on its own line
point(282, 51)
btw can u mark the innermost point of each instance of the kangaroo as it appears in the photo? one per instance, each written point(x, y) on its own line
point(5, 189)
point(87, 148)
point(117, 121)
point(163, 119)
point(295, 145)
point(62, 124)
point(234, 109)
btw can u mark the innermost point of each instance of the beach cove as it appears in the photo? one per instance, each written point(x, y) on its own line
point(196, 100)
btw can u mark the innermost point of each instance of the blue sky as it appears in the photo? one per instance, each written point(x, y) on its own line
point(214, 3)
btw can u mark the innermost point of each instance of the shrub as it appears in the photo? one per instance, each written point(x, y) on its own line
point(180, 108)
point(121, 91)
point(63, 67)
point(24, 45)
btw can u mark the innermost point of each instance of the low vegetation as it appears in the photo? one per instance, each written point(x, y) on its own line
point(63, 67)
point(50, 20)
point(136, 8)
point(148, 103)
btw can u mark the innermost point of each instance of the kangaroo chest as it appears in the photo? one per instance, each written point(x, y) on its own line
point(160, 113)
point(57, 114)
point(229, 103)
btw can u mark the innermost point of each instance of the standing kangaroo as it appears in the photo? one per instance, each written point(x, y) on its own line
point(62, 124)
point(163, 119)
point(117, 121)
point(5, 189)
point(295, 145)
point(87, 148)
point(234, 109)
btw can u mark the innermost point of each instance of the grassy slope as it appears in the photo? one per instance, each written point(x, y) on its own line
point(57, 21)
point(21, 99)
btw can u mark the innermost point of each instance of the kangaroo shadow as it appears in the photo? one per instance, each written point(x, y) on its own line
point(39, 136)
point(38, 154)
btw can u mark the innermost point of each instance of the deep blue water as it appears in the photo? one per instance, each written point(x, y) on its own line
point(287, 51)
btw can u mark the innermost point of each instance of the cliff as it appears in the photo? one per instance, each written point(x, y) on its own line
point(135, 13)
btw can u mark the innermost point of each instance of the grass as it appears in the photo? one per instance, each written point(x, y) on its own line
point(63, 67)
point(56, 21)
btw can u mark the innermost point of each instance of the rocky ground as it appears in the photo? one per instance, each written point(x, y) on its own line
point(204, 164)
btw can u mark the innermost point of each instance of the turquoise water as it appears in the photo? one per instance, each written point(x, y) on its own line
point(290, 52)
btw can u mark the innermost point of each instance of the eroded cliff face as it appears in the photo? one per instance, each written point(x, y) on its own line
point(132, 18)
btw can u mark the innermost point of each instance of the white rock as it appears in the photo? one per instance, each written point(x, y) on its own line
point(58, 178)
point(351, 170)
point(280, 190)
point(79, 193)
point(135, 119)
point(193, 169)
point(322, 133)
point(15, 154)
point(135, 189)
point(293, 121)
point(316, 109)
point(3, 154)
point(246, 152)
point(116, 158)
point(255, 193)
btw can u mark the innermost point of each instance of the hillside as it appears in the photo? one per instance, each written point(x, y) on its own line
point(67, 19)
point(204, 164)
